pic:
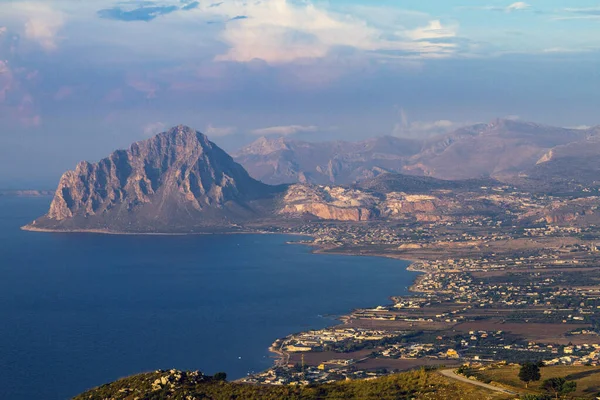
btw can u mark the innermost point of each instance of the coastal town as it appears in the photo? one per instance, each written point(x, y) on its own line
point(491, 289)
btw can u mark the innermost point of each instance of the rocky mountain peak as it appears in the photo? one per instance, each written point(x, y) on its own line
point(175, 174)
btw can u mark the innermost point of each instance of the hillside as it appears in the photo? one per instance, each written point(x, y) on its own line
point(189, 385)
point(499, 149)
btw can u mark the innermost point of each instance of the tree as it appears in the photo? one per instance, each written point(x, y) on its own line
point(529, 372)
point(220, 376)
point(535, 397)
point(559, 386)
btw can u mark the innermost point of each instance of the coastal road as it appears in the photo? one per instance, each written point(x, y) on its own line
point(451, 373)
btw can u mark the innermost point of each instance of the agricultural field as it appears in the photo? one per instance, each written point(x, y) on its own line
point(587, 379)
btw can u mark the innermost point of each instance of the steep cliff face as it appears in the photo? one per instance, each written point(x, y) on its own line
point(332, 203)
point(178, 177)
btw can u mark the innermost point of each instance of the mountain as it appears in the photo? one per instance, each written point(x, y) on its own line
point(282, 160)
point(571, 167)
point(175, 181)
point(501, 149)
point(391, 182)
point(180, 182)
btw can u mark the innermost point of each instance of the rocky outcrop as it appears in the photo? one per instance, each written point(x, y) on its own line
point(402, 205)
point(329, 212)
point(177, 178)
point(331, 203)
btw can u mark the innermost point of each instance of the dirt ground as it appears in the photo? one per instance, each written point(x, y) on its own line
point(546, 333)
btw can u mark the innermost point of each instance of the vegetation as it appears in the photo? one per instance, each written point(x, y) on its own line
point(559, 386)
point(159, 385)
point(529, 372)
point(581, 382)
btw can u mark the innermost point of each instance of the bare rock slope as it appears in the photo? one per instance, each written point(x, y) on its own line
point(176, 181)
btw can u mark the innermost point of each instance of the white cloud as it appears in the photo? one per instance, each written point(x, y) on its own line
point(580, 127)
point(518, 6)
point(282, 31)
point(426, 128)
point(214, 131)
point(40, 22)
point(285, 130)
point(589, 13)
point(153, 128)
point(434, 30)
point(587, 10)
point(421, 129)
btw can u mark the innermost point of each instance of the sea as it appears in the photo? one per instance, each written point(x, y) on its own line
point(79, 310)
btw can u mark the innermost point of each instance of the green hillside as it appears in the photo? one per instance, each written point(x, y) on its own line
point(193, 385)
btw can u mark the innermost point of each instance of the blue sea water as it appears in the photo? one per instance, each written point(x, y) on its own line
point(80, 310)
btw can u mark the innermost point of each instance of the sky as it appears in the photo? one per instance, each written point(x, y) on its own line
point(80, 78)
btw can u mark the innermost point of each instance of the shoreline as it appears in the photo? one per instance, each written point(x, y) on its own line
point(280, 356)
point(30, 228)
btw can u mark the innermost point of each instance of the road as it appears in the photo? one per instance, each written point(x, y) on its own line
point(451, 373)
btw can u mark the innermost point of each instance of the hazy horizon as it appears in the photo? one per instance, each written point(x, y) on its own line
point(80, 79)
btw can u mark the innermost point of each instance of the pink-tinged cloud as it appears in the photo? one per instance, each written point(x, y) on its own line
point(6, 80)
point(32, 121)
point(25, 112)
point(149, 88)
point(41, 23)
point(32, 75)
point(64, 93)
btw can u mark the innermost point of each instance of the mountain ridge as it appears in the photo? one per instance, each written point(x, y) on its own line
point(284, 160)
point(500, 149)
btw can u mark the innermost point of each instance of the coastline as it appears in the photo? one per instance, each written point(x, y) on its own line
point(30, 228)
point(280, 356)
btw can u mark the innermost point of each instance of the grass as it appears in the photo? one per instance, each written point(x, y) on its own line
point(587, 378)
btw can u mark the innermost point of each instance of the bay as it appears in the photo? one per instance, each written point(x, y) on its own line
point(80, 310)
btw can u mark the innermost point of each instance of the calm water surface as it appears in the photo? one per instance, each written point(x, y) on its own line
point(79, 310)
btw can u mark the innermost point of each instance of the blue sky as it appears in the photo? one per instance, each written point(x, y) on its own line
point(80, 78)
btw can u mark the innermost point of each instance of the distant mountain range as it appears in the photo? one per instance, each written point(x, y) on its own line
point(282, 160)
point(180, 182)
point(506, 150)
